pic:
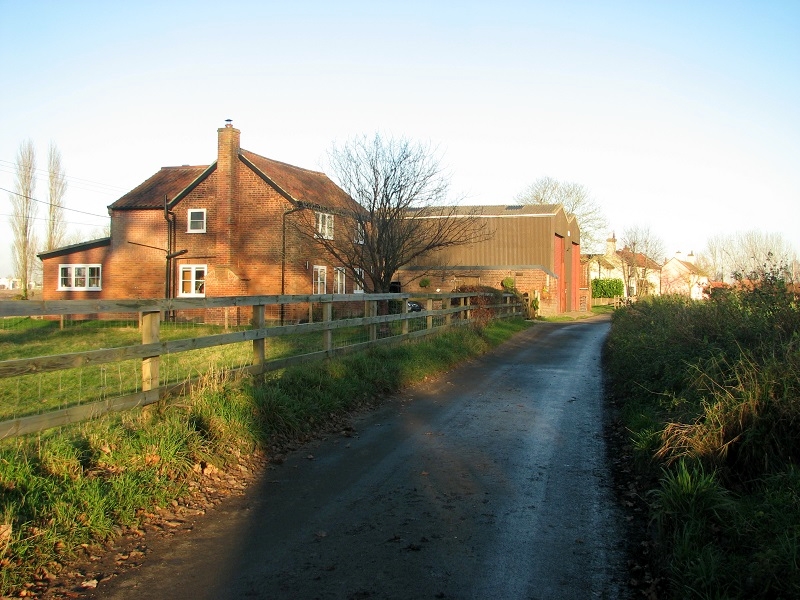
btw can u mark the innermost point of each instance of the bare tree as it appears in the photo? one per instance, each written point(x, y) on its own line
point(745, 252)
point(642, 255)
point(576, 200)
point(23, 214)
point(56, 224)
point(404, 209)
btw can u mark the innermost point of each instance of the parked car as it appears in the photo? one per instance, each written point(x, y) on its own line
point(414, 306)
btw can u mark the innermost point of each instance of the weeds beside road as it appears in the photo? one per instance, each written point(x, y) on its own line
point(710, 392)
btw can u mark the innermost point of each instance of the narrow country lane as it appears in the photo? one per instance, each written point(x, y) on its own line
point(491, 483)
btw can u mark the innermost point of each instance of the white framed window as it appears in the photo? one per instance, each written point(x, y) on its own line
point(193, 281)
point(361, 233)
point(319, 283)
point(196, 218)
point(80, 277)
point(324, 225)
point(339, 281)
point(358, 286)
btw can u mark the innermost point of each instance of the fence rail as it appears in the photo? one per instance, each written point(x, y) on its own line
point(389, 327)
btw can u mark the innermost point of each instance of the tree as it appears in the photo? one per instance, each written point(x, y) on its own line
point(56, 225)
point(405, 212)
point(23, 214)
point(642, 254)
point(576, 200)
point(745, 252)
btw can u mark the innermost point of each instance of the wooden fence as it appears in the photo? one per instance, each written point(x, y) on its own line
point(453, 308)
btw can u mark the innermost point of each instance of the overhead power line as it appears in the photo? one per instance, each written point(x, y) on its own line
point(83, 212)
point(46, 219)
point(8, 166)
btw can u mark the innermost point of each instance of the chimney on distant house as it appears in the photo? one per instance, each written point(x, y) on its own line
point(611, 245)
point(227, 185)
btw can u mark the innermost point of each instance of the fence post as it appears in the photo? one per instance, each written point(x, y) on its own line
point(448, 318)
point(258, 343)
point(404, 310)
point(373, 312)
point(150, 335)
point(468, 303)
point(327, 317)
point(429, 318)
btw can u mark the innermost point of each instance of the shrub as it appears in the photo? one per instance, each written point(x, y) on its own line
point(607, 288)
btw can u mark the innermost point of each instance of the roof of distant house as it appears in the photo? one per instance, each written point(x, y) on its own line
point(690, 268)
point(640, 259)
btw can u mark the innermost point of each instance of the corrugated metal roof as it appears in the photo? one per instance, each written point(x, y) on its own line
point(493, 210)
point(169, 181)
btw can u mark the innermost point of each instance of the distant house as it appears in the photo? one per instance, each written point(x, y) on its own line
point(641, 275)
point(222, 229)
point(10, 283)
point(680, 275)
point(536, 246)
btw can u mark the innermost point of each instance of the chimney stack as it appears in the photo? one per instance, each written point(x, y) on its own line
point(227, 185)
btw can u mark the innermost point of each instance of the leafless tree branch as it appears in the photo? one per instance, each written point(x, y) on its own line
point(405, 209)
point(576, 200)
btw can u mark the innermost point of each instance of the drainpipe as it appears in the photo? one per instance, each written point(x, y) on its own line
point(169, 217)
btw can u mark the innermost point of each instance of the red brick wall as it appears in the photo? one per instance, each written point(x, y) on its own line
point(50, 274)
point(242, 245)
point(137, 260)
point(535, 282)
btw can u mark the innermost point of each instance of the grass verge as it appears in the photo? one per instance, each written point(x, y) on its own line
point(710, 394)
point(87, 483)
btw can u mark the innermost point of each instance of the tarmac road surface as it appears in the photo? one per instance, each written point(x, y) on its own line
point(491, 482)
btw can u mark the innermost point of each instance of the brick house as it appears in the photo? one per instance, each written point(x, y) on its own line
point(231, 228)
point(538, 246)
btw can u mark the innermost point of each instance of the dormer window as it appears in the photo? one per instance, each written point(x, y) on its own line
point(324, 225)
point(197, 220)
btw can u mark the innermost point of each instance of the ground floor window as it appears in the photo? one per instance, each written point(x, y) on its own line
point(319, 283)
point(339, 281)
point(80, 277)
point(193, 280)
point(358, 281)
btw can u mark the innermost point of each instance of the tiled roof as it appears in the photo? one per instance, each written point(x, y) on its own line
point(169, 181)
point(302, 185)
point(310, 187)
point(88, 245)
point(640, 259)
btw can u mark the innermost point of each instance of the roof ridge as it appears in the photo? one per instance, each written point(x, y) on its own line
point(241, 150)
point(185, 167)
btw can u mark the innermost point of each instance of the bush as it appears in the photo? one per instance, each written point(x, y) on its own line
point(607, 288)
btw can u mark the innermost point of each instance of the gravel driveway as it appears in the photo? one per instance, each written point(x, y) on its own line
point(491, 482)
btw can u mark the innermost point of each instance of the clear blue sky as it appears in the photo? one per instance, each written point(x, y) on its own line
point(678, 115)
